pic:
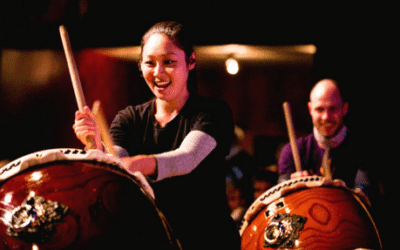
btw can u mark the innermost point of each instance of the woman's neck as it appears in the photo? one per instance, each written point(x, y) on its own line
point(166, 111)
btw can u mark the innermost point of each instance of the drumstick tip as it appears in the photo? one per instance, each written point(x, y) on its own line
point(61, 28)
point(285, 104)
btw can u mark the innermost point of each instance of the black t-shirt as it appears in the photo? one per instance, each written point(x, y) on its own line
point(194, 204)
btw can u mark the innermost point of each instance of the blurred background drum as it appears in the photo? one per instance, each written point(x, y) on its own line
point(73, 199)
point(309, 213)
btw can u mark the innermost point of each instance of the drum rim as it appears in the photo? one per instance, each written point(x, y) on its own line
point(73, 154)
point(58, 154)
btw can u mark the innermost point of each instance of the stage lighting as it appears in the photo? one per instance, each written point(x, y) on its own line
point(232, 66)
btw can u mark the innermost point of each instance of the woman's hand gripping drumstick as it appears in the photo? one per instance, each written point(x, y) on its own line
point(85, 127)
point(89, 139)
point(292, 138)
point(93, 122)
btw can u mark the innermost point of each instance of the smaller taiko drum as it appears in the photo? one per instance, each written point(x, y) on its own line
point(309, 213)
point(76, 199)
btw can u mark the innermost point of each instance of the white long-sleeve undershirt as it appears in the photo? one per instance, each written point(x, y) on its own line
point(194, 148)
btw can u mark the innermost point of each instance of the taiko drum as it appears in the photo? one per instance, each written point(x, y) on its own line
point(309, 213)
point(91, 204)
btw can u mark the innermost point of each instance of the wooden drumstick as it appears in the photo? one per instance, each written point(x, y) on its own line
point(76, 83)
point(292, 136)
point(101, 121)
point(326, 165)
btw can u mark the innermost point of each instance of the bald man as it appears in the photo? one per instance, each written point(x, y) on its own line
point(327, 109)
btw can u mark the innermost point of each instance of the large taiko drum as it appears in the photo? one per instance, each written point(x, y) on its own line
point(309, 213)
point(75, 199)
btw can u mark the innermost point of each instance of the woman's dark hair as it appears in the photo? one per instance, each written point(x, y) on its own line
point(181, 39)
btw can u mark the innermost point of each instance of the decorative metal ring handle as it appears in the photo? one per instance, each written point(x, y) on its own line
point(34, 221)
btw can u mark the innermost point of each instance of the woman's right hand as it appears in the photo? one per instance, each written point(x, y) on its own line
point(85, 126)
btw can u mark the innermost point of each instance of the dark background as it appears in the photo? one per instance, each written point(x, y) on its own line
point(356, 44)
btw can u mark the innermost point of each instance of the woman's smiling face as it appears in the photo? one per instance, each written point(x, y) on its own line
point(165, 68)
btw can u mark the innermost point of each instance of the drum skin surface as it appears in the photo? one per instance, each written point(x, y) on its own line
point(333, 219)
point(106, 209)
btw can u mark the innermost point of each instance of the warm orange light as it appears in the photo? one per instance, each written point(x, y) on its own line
point(232, 66)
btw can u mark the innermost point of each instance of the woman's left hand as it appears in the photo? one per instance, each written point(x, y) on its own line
point(146, 164)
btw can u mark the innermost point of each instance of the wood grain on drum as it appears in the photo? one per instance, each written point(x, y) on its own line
point(107, 209)
point(336, 219)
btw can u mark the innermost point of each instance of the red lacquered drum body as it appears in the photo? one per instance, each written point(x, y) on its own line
point(308, 213)
point(106, 208)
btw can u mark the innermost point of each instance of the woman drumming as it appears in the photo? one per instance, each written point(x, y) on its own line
point(178, 139)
